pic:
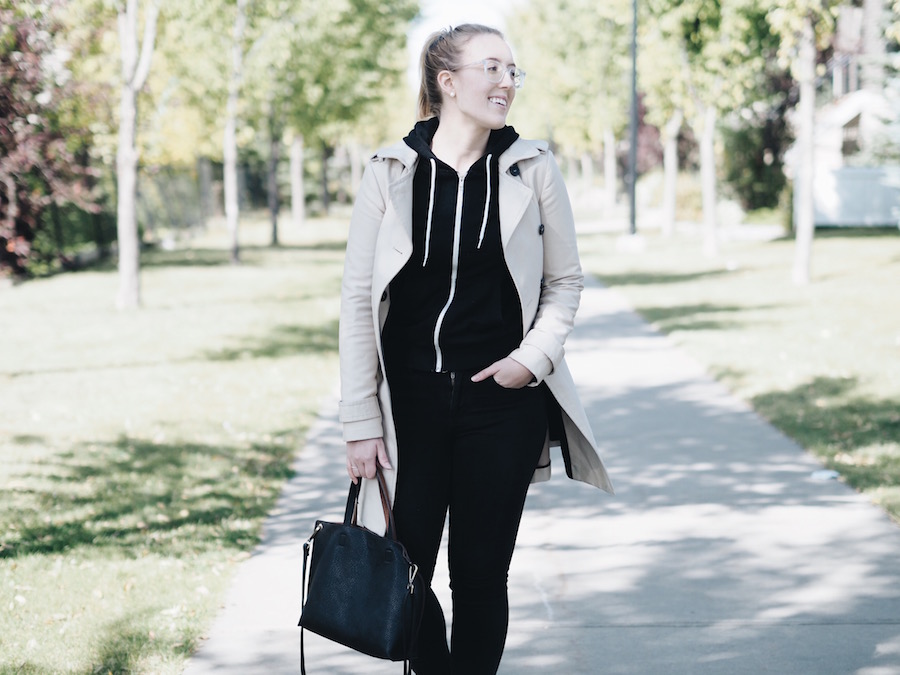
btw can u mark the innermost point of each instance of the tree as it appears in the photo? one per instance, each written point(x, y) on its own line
point(331, 64)
point(274, 135)
point(315, 69)
point(662, 76)
point(577, 57)
point(803, 25)
point(806, 78)
point(38, 165)
point(721, 66)
point(756, 134)
point(136, 55)
point(229, 141)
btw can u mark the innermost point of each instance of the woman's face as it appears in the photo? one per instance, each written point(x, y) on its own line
point(484, 102)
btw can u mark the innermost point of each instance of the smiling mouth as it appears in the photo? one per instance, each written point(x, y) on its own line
point(499, 101)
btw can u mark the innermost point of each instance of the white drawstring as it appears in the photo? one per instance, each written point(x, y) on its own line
point(487, 199)
point(430, 214)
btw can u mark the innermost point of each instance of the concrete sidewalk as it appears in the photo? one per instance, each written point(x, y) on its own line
point(720, 554)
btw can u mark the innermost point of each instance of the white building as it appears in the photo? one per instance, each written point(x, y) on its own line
point(847, 193)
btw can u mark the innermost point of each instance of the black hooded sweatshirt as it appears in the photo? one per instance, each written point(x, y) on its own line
point(454, 306)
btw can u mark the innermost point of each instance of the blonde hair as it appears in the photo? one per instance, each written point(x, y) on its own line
point(441, 52)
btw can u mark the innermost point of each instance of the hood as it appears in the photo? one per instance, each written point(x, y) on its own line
point(419, 139)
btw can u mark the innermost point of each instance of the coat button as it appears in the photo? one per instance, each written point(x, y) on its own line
point(514, 170)
point(384, 296)
point(541, 229)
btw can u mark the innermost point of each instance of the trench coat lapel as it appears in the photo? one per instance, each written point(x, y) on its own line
point(400, 224)
point(394, 245)
point(514, 195)
point(513, 199)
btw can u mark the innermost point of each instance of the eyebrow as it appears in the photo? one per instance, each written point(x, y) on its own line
point(494, 58)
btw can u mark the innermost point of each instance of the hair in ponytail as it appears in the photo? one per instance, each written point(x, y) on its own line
point(441, 52)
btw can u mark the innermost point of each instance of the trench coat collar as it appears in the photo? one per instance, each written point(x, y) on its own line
point(522, 148)
point(513, 200)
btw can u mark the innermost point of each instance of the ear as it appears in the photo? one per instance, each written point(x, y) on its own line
point(446, 83)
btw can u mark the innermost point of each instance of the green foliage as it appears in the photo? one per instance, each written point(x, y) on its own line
point(893, 30)
point(786, 19)
point(753, 167)
point(662, 75)
point(721, 47)
point(722, 54)
point(71, 238)
point(576, 54)
point(755, 140)
point(316, 67)
point(330, 63)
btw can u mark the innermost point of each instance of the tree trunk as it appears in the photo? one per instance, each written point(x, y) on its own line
point(12, 209)
point(204, 184)
point(298, 191)
point(126, 208)
point(272, 182)
point(357, 164)
point(229, 150)
point(708, 181)
point(804, 224)
point(341, 158)
point(97, 231)
point(326, 197)
point(670, 172)
point(587, 171)
point(573, 169)
point(59, 239)
point(609, 169)
point(135, 68)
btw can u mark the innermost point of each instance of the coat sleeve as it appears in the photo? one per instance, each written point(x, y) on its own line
point(542, 348)
point(360, 412)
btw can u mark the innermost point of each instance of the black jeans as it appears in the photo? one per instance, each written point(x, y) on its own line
point(471, 448)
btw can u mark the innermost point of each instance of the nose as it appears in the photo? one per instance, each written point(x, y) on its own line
point(502, 82)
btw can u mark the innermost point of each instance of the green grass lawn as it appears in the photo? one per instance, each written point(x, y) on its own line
point(820, 362)
point(139, 452)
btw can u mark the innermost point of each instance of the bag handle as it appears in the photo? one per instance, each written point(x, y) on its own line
point(350, 511)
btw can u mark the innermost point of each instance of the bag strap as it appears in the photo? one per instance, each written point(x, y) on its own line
point(350, 511)
point(389, 526)
point(352, 499)
point(303, 600)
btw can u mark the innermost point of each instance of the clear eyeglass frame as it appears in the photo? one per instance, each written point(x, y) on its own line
point(494, 72)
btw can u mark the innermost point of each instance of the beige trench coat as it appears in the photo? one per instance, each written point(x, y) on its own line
point(538, 237)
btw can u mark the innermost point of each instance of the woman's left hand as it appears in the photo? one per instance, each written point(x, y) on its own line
point(508, 373)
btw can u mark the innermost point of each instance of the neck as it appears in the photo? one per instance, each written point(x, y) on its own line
point(457, 143)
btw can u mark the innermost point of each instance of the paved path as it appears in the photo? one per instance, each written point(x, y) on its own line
point(720, 554)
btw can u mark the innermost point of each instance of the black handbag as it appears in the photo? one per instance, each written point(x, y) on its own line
point(364, 592)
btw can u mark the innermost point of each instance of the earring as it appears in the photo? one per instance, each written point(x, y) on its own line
point(452, 94)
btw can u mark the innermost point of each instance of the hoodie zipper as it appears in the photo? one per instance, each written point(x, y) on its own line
point(454, 270)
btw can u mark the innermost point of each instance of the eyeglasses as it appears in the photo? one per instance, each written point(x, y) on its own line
point(494, 72)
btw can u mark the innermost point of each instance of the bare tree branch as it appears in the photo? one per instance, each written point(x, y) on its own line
point(143, 66)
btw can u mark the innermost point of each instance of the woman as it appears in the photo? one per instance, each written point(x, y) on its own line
point(460, 287)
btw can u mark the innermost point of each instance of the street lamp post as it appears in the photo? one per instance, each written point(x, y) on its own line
point(632, 149)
